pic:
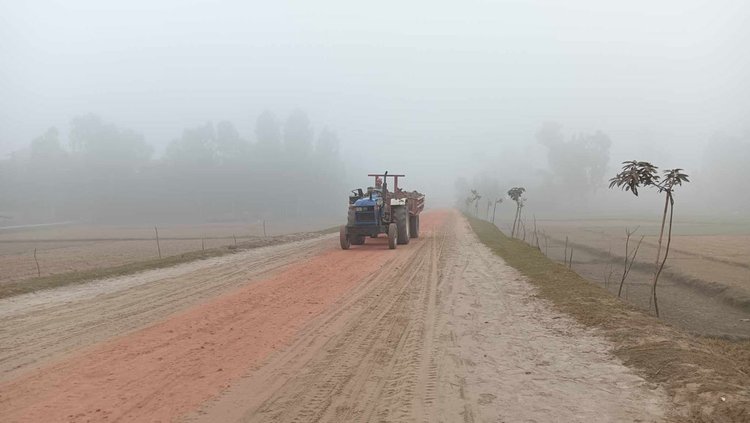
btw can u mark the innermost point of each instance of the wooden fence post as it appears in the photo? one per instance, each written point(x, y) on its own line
point(38, 271)
point(570, 262)
point(158, 247)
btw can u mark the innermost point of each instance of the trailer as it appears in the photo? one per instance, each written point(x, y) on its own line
point(379, 210)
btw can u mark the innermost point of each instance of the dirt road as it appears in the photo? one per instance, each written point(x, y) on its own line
point(439, 330)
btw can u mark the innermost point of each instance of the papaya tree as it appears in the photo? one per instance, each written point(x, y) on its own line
point(637, 174)
point(467, 203)
point(494, 209)
point(516, 194)
point(475, 197)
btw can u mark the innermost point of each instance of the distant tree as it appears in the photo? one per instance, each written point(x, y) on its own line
point(268, 134)
point(724, 173)
point(580, 161)
point(47, 146)
point(298, 135)
point(197, 147)
point(516, 194)
point(327, 147)
point(47, 176)
point(105, 162)
point(230, 147)
point(637, 174)
point(461, 186)
point(107, 145)
point(328, 170)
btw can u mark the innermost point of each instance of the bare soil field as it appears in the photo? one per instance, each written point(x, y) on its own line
point(441, 329)
point(705, 286)
point(75, 248)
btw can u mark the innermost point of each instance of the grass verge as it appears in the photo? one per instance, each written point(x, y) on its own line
point(707, 379)
point(77, 277)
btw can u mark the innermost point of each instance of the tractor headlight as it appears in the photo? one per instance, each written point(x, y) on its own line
point(360, 209)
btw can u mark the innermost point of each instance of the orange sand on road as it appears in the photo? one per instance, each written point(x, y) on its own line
point(163, 371)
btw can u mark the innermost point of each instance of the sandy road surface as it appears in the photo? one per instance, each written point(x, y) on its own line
point(439, 330)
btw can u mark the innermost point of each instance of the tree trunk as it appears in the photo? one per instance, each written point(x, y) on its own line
point(494, 209)
point(515, 219)
point(658, 253)
point(666, 250)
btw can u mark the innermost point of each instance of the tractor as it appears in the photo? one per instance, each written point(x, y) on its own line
point(381, 211)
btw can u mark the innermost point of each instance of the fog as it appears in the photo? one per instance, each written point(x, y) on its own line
point(456, 95)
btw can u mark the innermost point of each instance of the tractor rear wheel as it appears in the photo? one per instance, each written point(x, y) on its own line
point(357, 239)
point(414, 226)
point(392, 236)
point(402, 222)
point(344, 238)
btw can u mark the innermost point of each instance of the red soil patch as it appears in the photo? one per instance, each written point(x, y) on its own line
point(165, 370)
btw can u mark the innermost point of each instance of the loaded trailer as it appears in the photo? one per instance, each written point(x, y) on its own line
point(379, 210)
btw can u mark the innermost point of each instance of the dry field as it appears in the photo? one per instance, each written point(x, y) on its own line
point(695, 252)
point(706, 282)
point(68, 248)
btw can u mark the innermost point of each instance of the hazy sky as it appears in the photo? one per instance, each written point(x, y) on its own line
point(418, 87)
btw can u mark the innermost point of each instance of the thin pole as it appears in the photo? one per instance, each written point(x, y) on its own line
point(158, 247)
point(38, 271)
point(264, 229)
point(570, 263)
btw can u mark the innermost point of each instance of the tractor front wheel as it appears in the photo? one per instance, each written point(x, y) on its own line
point(392, 236)
point(344, 238)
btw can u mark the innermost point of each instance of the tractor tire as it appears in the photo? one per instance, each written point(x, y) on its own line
point(401, 216)
point(414, 226)
point(357, 239)
point(344, 238)
point(392, 236)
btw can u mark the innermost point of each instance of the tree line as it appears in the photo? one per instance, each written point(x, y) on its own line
point(209, 173)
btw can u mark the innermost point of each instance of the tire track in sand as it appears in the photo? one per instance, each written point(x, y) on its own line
point(369, 360)
point(170, 368)
point(39, 327)
point(444, 332)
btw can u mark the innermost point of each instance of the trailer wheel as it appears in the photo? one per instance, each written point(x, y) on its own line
point(414, 226)
point(392, 236)
point(402, 223)
point(357, 240)
point(344, 238)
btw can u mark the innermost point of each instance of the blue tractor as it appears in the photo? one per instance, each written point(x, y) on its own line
point(380, 211)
